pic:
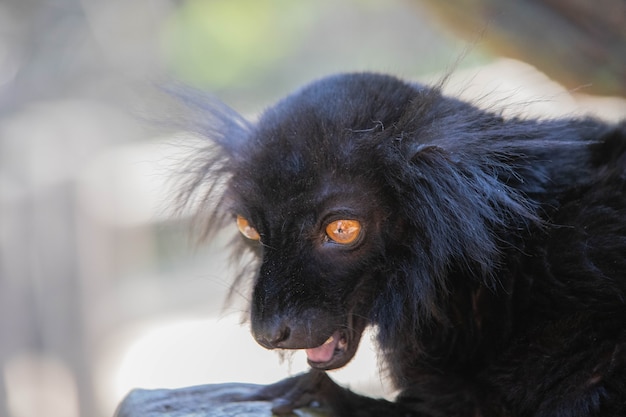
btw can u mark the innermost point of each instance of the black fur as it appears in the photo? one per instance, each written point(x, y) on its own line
point(491, 260)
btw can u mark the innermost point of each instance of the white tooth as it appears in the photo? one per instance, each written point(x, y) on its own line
point(330, 340)
point(342, 344)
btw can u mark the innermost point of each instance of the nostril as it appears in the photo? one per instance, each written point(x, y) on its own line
point(279, 335)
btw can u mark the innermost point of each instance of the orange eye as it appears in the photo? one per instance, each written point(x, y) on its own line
point(247, 230)
point(343, 232)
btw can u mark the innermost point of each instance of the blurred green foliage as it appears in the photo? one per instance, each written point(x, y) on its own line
point(216, 43)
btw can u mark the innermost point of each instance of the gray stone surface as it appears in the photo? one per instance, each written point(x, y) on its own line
point(217, 400)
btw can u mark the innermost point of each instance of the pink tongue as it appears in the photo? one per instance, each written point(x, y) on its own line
point(325, 352)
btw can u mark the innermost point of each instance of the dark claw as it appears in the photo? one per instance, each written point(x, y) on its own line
point(304, 390)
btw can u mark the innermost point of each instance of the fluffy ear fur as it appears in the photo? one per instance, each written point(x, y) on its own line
point(214, 139)
point(211, 138)
point(468, 212)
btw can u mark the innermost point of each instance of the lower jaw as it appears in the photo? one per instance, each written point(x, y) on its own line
point(338, 361)
point(328, 366)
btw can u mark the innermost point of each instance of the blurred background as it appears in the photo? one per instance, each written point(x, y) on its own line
point(101, 287)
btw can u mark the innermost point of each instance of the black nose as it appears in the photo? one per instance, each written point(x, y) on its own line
point(272, 335)
point(310, 328)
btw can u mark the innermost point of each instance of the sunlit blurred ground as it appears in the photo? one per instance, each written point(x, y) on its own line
point(182, 352)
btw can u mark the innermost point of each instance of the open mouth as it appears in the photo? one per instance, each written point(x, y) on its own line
point(333, 348)
point(337, 350)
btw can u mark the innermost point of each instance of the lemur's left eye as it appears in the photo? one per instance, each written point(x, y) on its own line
point(248, 231)
point(343, 232)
